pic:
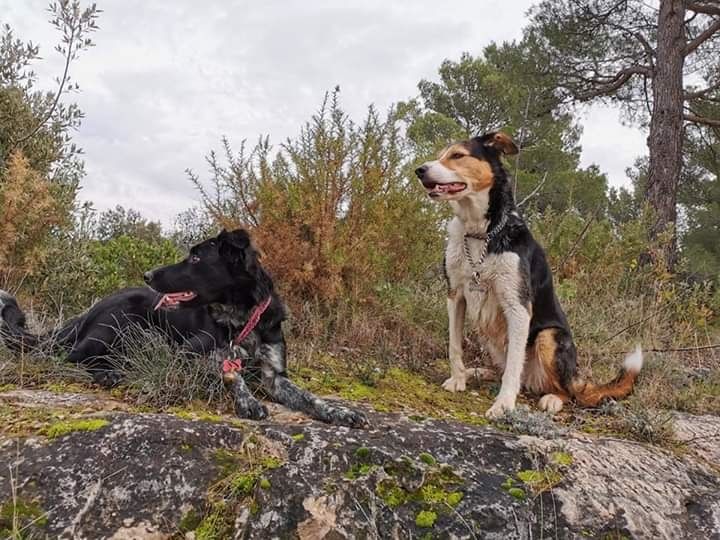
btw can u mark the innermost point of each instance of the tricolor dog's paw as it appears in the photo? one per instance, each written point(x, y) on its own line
point(455, 384)
point(550, 403)
point(502, 405)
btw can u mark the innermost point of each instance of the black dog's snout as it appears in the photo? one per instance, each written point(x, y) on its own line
point(420, 171)
point(147, 276)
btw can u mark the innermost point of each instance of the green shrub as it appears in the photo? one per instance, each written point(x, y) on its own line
point(122, 261)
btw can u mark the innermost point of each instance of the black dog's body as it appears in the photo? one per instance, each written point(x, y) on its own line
point(227, 284)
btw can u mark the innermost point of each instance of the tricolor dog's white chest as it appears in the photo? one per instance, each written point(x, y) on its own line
point(498, 275)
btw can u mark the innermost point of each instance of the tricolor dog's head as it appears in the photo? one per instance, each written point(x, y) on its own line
point(465, 167)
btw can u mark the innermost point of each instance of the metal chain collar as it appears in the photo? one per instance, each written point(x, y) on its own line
point(475, 265)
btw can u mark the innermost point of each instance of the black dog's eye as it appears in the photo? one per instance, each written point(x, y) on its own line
point(194, 259)
point(457, 155)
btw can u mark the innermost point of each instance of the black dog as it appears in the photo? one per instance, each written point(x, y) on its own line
point(219, 300)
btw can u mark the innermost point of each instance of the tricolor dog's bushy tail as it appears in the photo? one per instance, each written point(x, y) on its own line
point(591, 395)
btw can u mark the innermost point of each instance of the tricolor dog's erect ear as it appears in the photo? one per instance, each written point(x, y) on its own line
point(499, 141)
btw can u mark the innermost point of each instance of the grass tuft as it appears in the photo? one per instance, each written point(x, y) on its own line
point(161, 374)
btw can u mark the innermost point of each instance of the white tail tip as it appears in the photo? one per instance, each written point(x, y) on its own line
point(634, 360)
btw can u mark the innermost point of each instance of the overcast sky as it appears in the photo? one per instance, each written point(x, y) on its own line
point(167, 79)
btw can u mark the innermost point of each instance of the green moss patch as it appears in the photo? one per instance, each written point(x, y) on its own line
point(426, 518)
point(358, 470)
point(438, 493)
point(536, 481)
point(63, 387)
point(398, 390)
point(64, 427)
point(391, 494)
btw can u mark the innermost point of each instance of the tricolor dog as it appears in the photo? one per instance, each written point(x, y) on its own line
point(499, 279)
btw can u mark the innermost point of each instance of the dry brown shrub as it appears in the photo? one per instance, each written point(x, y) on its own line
point(29, 209)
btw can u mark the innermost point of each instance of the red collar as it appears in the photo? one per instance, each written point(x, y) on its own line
point(253, 320)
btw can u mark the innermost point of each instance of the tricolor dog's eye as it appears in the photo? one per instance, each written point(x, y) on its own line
point(194, 259)
point(457, 155)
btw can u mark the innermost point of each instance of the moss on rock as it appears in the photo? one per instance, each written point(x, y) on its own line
point(64, 427)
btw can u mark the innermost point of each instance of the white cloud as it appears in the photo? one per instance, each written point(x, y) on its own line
point(168, 79)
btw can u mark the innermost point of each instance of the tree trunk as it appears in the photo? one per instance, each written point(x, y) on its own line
point(666, 125)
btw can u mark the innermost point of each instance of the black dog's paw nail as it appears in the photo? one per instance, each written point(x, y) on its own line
point(252, 411)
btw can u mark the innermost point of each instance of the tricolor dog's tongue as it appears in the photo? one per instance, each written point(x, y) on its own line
point(448, 188)
point(173, 300)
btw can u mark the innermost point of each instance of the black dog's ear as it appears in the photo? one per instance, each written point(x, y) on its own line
point(236, 247)
point(499, 141)
point(232, 245)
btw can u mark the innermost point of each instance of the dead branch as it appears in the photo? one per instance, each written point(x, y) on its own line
point(534, 191)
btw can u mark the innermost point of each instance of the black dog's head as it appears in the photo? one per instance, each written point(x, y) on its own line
point(224, 269)
point(12, 319)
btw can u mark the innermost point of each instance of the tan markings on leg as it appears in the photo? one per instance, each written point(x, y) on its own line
point(546, 364)
point(545, 348)
point(493, 328)
point(452, 294)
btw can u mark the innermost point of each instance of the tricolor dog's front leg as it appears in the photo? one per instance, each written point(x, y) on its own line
point(456, 306)
point(284, 391)
point(508, 288)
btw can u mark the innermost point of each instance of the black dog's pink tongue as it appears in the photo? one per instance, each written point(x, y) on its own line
point(173, 300)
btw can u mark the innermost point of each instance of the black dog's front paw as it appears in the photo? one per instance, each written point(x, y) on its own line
point(250, 408)
point(348, 417)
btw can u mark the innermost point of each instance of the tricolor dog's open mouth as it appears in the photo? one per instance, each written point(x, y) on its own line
point(434, 189)
point(173, 300)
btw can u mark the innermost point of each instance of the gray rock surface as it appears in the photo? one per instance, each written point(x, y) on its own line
point(144, 475)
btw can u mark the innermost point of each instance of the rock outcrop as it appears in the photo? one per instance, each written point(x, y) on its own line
point(108, 472)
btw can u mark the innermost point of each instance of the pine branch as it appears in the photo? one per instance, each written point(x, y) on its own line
point(702, 93)
point(706, 34)
point(705, 121)
point(703, 7)
point(615, 82)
